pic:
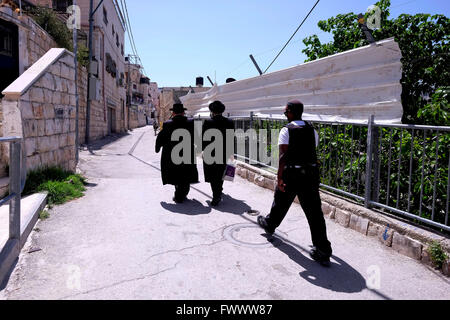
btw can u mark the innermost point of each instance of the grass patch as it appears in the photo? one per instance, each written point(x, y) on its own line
point(44, 215)
point(62, 186)
point(438, 256)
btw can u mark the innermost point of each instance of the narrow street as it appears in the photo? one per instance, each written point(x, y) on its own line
point(126, 239)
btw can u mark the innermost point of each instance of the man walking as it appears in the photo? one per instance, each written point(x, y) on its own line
point(298, 175)
point(214, 171)
point(182, 173)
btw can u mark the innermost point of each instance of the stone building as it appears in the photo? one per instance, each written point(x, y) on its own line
point(170, 95)
point(142, 94)
point(108, 88)
point(48, 116)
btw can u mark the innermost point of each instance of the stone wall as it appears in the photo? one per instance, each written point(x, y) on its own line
point(390, 231)
point(98, 125)
point(34, 42)
point(134, 118)
point(47, 111)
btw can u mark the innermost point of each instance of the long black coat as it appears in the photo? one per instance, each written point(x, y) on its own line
point(214, 172)
point(172, 173)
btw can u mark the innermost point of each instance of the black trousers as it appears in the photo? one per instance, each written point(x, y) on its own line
point(307, 190)
point(217, 188)
point(182, 190)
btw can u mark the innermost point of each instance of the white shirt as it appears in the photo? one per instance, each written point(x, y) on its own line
point(284, 133)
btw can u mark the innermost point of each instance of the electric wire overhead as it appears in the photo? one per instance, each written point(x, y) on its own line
point(292, 36)
point(133, 46)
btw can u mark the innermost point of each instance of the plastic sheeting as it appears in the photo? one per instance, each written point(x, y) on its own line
point(346, 87)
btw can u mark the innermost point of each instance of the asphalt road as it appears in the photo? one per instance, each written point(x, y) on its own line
point(126, 239)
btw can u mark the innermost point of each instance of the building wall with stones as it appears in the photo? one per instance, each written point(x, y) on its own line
point(170, 95)
point(47, 111)
point(134, 117)
point(34, 42)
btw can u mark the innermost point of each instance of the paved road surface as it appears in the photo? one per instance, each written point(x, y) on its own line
point(126, 239)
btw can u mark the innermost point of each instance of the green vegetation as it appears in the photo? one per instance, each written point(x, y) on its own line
point(438, 256)
point(49, 21)
point(62, 186)
point(83, 55)
point(57, 29)
point(425, 46)
point(44, 215)
point(438, 110)
point(422, 155)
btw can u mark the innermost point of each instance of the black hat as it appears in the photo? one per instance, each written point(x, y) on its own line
point(178, 108)
point(217, 107)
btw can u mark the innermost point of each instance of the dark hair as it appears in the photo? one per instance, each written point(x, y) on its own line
point(296, 108)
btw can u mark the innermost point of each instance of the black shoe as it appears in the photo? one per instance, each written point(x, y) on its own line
point(215, 202)
point(178, 200)
point(320, 257)
point(263, 224)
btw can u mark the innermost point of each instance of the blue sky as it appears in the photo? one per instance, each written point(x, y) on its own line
point(179, 40)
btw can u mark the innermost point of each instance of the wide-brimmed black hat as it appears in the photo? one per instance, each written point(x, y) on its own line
point(178, 108)
point(217, 107)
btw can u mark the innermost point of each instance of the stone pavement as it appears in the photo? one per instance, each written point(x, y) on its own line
point(126, 239)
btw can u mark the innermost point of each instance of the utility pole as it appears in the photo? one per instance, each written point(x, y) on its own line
point(91, 34)
point(128, 91)
point(75, 50)
point(256, 65)
point(88, 103)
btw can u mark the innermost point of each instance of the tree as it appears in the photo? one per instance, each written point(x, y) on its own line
point(423, 40)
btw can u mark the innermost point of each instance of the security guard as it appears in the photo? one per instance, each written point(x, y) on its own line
point(298, 175)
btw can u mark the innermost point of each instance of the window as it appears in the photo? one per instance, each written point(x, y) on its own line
point(113, 31)
point(121, 49)
point(105, 16)
point(6, 42)
point(61, 5)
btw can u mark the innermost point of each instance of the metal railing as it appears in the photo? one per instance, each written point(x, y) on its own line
point(15, 189)
point(11, 249)
point(403, 169)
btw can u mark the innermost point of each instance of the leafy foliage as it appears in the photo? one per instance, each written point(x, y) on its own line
point(83, 55)
point(61, 185)
point(48, 20)
point(62, 191)
point(438, 110)
point(422, 38)
point(438, 256)
point(409, 170)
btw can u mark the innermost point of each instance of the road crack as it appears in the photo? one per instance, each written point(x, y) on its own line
point(184, 249)
point(121, 282)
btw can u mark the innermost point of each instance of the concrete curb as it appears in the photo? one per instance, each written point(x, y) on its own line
point(401, 236)
point(30, 211)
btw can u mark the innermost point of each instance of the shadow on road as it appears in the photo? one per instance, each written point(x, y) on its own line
point(339, 277)
point(189, 207)
point(100, 144)
point(231, 205)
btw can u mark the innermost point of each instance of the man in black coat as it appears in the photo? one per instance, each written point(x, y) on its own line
point(214, 168)
point(179, 169)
